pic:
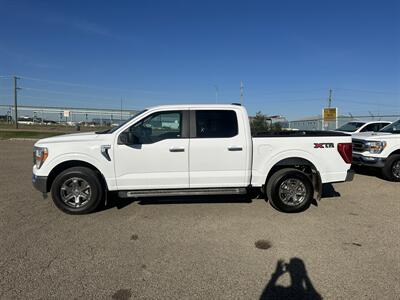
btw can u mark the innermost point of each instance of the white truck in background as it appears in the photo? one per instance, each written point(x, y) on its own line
point(189, 150)
point(355, 127)
point(380, 150)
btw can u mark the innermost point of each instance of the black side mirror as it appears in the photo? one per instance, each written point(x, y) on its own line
point(128, 138)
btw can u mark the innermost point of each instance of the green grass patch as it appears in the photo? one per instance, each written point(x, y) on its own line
point(5, 134)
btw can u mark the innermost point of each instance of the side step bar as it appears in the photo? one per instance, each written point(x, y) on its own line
point(182, 192)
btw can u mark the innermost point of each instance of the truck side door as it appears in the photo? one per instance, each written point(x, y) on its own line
point(159, 157)
point(218, 149)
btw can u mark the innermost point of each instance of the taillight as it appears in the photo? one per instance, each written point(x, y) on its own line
point(346, 152)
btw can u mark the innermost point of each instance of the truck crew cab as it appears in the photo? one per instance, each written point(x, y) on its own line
point(189, 150)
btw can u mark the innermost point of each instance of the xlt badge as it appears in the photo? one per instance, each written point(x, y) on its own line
point(324, 145)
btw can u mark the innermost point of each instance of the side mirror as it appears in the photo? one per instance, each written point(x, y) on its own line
point(128, 138)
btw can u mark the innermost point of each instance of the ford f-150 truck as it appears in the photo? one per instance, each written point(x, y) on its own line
point(189, 150)
point(380, 149)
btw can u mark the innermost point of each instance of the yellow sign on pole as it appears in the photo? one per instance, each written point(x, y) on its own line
point(330, 114)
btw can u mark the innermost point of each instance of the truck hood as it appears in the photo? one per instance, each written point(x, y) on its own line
point(74, 137)
point(346, 132)
point(375, 136)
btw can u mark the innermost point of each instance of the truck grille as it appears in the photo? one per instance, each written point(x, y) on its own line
point(358, 146)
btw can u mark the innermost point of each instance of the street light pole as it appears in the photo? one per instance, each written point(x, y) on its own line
point(15, 102)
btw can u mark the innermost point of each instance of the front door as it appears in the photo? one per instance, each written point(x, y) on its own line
point(159, 158)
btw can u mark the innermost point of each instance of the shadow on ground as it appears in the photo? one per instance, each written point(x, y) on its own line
point(368, 171)
point(300, 286)
point(115, 201)
point(328, 191)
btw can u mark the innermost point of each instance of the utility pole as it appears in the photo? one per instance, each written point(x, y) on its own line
point(120, 117)
point(15, 101)
point(216, 93)
point(330, 98)
point(241, 92)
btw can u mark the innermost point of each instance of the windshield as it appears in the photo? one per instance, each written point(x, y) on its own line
point(392, 128)
point(350, 127)
point(111, 130)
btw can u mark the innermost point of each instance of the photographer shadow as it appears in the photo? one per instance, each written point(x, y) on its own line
point(301, 286)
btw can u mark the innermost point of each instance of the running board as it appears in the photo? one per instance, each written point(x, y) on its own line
point(182, 192)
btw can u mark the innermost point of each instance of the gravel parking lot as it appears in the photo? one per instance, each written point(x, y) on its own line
point(205, 247)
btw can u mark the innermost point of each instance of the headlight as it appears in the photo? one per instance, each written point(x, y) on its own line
point(375, 147)
point(39, 156)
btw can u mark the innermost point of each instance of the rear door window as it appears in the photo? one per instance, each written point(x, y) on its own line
point(216, 124)
point(372, 127)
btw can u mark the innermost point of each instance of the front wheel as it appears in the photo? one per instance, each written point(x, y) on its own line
point(77, 190)
point(391, 170)
point(290, 190)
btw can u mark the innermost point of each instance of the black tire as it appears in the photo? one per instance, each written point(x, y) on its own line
point(83, 175)
point(274, 184)
point(388, 170)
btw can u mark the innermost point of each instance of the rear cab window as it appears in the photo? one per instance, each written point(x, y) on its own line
point(350, 126)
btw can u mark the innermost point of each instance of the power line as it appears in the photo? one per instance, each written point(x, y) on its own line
point(368, 91)
point(293, 91)
point(294, 100)
point(84, 85)
point(63, 93)
point(366, 103)
point(27, 98)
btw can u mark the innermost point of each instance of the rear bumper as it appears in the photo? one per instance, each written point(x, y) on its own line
point(40, 183)
point(361, 160)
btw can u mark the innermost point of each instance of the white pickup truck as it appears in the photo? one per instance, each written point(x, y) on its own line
point(379, 149)
point(189, 150)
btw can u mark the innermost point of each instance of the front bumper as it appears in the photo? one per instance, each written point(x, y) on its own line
point(40, 183)
point(361, 160)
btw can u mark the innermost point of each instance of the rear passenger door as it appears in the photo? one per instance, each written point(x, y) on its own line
point(218, 149)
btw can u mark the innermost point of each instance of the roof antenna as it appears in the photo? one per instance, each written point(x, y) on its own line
point(241, 91)
point(216, 93)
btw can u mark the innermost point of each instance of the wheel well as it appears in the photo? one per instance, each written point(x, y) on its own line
point(299, 163)
point(69, 164)
point(395, 152)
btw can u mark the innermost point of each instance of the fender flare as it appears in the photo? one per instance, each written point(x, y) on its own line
point(71, 160)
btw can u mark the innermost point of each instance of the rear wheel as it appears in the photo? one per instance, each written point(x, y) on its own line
point(290, 190)
point(77, 190)
point(391, 170)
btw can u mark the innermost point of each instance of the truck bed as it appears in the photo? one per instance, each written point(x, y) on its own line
point(320, 148)
point(298, 133)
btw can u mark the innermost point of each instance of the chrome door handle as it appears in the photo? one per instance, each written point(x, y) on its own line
point(176, 149)
point(235, 148)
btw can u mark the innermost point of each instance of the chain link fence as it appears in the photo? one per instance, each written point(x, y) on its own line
point(317, 123)
point(64, 116)
point(42, 115)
